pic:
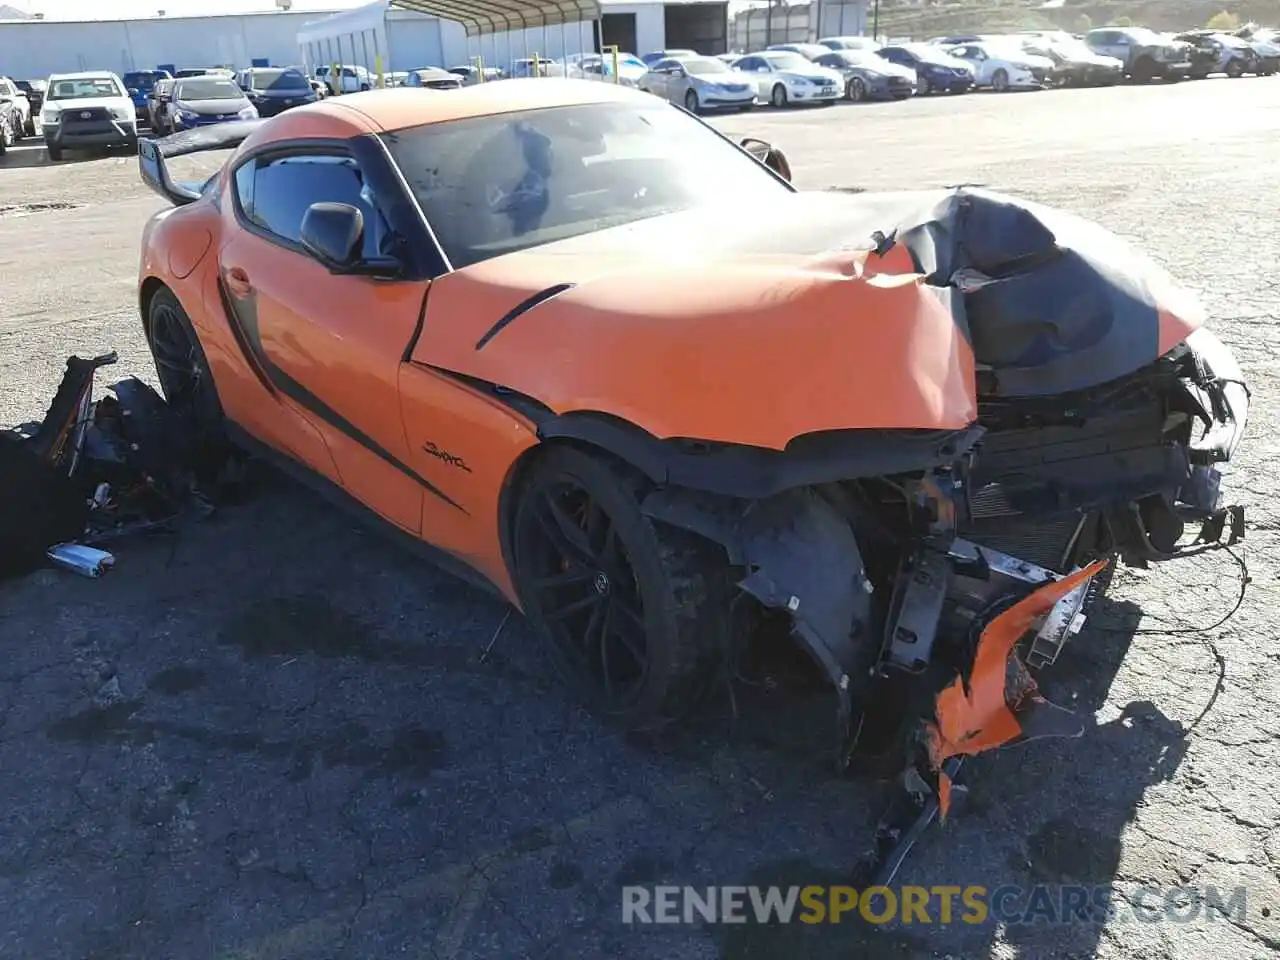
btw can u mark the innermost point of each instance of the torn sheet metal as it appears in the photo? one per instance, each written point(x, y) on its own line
point(1001, 703)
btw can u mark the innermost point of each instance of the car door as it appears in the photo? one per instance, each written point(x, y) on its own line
point(329, 346)
point(758, 68)
point(976, 58)
point(661, 81)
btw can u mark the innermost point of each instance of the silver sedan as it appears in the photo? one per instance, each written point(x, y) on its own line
point(700, 83)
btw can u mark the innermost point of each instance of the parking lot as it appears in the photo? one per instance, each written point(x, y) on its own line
point(274, 735)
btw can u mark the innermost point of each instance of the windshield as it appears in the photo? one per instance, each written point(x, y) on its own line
point(208, 90)
point(144, 80)
point(699, 67)
point(1142, 35)
point(931, 54)
point(497, 184)
point(277, 80)
point(787, 61)
point(84, 88)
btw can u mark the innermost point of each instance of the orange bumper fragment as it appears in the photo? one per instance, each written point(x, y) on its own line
point(979, 717)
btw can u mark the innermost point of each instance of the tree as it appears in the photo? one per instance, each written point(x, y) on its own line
point(1223, 21)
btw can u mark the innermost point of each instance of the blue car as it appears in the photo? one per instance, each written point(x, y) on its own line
point(140, 83)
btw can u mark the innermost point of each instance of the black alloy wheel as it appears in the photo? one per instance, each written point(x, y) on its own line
point(631, 613)
point(857, 91)
point(181, 366)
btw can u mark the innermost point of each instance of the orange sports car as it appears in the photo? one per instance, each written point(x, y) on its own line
point(602, 359)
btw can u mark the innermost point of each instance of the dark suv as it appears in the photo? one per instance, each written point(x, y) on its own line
point(1146, 55)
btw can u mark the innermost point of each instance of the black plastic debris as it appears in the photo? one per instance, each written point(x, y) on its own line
point(92, 473)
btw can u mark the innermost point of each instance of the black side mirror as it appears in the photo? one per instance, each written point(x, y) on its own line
point(333, 233)
point(769, 155)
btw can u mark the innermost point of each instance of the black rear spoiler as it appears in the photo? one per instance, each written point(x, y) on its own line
point(153, 152)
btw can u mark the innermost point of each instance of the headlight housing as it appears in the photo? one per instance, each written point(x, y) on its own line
point(118, 114)
point(249, 113)
point(50, 115)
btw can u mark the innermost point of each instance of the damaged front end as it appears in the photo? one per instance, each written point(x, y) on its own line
point(928, 596)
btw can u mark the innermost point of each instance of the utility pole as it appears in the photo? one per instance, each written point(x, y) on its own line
point(875, 21)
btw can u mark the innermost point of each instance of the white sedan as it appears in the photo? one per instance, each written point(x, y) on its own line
point(784, 78)
point(1004, 66)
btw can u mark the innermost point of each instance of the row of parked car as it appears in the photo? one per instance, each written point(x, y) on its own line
point(860, 68)
point(101, 109)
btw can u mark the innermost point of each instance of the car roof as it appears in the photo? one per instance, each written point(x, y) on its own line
point(379, 111)
point(85, 75)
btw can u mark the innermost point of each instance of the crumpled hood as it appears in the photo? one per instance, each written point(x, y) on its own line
point(785, 322)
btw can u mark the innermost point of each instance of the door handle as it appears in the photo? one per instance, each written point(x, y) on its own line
point(238, 282)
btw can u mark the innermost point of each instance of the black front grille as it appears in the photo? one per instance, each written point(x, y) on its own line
point(86, 115)
point(443, 84)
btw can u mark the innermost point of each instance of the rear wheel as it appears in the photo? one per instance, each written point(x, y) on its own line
point(779, 96)
point(182, 368)
point(633, 614)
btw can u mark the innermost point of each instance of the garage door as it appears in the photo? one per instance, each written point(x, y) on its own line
point(619, 30)
point(698, 26)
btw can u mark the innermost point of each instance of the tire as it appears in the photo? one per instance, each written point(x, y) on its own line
point(923, 88)
point(778, 96)
point(691, 101)
point(856, 90)
point(656, 596)
point(1234, 69)
point(185, 378)
point(6, 137)
point(33, 127)
point(1000, 81)
point(55, 153)
point(1144, 70)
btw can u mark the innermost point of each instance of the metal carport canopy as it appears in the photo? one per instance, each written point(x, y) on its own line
point(498, 16)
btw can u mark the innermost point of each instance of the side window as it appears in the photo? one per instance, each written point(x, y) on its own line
point(275, 193)
point(348, 72)
point(244, 187)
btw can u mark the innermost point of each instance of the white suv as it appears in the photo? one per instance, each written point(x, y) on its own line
point(87, 110)
point(350, 79)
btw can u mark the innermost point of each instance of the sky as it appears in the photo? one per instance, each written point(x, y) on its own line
point(129, 9)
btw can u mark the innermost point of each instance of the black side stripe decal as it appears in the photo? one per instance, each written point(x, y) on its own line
point(542, 296)
point(243, 315)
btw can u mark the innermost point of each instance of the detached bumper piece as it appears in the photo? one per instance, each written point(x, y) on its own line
point(91, 473)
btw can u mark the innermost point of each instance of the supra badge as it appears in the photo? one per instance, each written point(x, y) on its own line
point(449, 458)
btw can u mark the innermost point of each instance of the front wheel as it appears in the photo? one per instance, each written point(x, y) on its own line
point(691, 101)
point(779, 96)
point(923, 89)
point(856, 91)
point(1234, 69)
point(1000, 81)
point(632, 613)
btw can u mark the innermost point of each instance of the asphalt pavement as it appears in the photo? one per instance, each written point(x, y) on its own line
point(274, 736)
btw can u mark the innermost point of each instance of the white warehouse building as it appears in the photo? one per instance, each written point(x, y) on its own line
point(404, 34)
point(393, 34)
